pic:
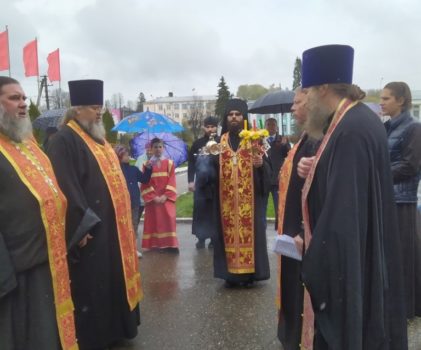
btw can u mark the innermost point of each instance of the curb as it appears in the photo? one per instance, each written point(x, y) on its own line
point(188, 220)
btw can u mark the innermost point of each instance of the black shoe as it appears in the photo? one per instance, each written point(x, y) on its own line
point(230, 284)
point(172, 250)
point(200, 244)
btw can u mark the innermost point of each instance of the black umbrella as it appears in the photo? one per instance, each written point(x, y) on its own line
point(50, 118)
point(279, 101)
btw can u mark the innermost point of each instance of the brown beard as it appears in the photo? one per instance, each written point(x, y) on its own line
point(16, 128)
point(95, 129)
point(317, 118)
point(235, 129)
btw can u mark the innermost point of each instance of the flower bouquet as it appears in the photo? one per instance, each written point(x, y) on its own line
point(256, 137)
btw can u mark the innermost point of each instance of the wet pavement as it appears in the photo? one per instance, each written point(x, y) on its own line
point(186, 308)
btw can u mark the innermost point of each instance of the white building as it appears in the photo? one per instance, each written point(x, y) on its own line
point(416, 104)
point(181, 107)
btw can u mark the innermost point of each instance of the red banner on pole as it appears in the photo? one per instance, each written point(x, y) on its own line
point(30, 58)
point(4, 51)
point(53, 60)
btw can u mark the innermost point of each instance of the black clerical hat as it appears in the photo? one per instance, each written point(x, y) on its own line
point(87, 92)
point(329, 64)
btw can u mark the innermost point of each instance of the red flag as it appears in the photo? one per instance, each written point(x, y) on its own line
point(30, 58)
point(4, 51)
point(53, 60)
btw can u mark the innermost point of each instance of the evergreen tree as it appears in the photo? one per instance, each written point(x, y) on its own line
point(141, 100)
point(34, 113)
point(107, 118)
point(297, 74)
point(223, 96)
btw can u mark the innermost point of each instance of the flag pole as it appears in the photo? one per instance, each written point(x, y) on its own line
point(8, 50)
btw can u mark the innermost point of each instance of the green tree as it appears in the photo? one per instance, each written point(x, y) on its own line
point(107, 118)
point(251, 92)
point(140, 101)
point(297, 74)
point(223, 96)
point(34, 113)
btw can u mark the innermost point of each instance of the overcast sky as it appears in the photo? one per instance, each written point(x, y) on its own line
point(157, 46)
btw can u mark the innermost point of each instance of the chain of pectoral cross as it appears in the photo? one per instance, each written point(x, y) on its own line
point(25, 149)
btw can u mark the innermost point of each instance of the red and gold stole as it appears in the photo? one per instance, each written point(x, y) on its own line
point(307, 333)
point(284, 179)
point(116, 183)
point(35, 171)
point(236, 193)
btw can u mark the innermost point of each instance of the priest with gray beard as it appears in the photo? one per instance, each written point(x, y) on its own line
point(36, 309)
point(102, 250)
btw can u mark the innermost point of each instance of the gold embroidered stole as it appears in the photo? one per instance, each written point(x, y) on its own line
point(35, 171)
point(236, 193)
point(284, 179)
point(307, 333)
point(116, 183)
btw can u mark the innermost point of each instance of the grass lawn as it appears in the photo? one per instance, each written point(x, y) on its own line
point(184, 206)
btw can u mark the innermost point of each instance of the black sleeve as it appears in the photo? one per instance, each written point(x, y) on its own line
point(143, 177)
point(7, 273)
point(191, 160)
point(410, 163)
point(80, 219)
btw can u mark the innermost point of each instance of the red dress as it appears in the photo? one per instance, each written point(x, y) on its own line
point(160, 219)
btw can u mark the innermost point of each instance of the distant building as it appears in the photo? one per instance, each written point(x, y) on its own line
point(416, 104)
point(182, 107)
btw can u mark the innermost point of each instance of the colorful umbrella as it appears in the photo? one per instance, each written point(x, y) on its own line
point(174, 148)
point(148, 122)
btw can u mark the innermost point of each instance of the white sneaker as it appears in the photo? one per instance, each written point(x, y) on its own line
point(139, 254)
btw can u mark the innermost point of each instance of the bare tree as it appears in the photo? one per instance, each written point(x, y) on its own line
point(195, 116)
point(59, 99)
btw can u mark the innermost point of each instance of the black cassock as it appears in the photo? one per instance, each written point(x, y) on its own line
point(208, 177)
point(202, 205)
point(352, 266)
point(292, 291)
point(98, 288)
point(27, 312)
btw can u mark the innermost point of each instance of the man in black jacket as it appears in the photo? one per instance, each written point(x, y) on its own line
point(210, 125)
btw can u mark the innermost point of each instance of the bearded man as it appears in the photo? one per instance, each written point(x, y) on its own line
point(36, 309)
point(351, 267)
point(99, 231)
point(240, 179)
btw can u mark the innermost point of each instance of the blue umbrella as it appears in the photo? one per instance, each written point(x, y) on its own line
point(50, 118)
point(147, 122)
point(174, 148)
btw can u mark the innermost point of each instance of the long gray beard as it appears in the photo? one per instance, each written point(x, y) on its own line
point(317, 118)
point(16, 128)
point(95, 129)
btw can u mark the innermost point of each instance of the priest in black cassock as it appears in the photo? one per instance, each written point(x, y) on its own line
point(290, 221)
point(36, 309)
point(351, 266)
point(201, 224)
point(240, 179)
point(102, 251)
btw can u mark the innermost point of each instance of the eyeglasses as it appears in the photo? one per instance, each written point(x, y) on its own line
point(232, 114)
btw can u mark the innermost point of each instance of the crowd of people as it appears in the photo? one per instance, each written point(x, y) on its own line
point(345, 195)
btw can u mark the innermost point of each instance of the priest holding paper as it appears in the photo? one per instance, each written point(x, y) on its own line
point(291, 233)
point(351, 267)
